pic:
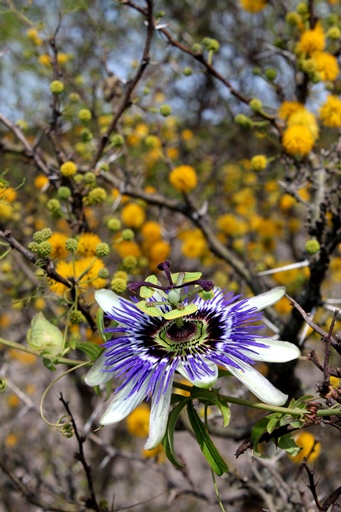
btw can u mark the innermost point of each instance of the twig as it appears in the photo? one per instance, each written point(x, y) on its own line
point(92, 501)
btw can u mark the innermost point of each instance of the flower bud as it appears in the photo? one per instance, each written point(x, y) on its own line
point(44, 336)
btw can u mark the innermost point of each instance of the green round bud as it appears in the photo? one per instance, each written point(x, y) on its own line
point(78, 178)
point(103, 273)
point(128, 234)
point(102, 250)
point(257, 71)
point(187, 71)
point(64, 193)
point(44, 336)
point(151, 141)
point(95, 196)
point(53, 205)
point(243, 121)
point(42, 235)
point(114, 224)
point(71, 245)
point(84, 115)
point(334, 33)
point(271, 74)
point(196, 48)
point(90, 178)
point(86, 135)
point(104, 167)
point(309, 66)
point(117, 140)
point(293, 19)
point(3, 384)
point(256, 105)
point(302, 9)
point(39, 272)
point(129, 262)
point(44, 249)
point(74, 97)
point(210, 44)
point(315, 77)
point(165, 110)
point(312, 246)
point(76, 317)
point(146, 91)
point(56, 87)
point(259, 163)
point(33, 247)
point(118, 285)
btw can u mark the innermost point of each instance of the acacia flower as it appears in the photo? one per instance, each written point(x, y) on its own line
point(150, 344)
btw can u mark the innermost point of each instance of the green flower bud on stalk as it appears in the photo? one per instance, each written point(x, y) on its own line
point(56, 87)
point(118, 285)
point(64, 193)
point(102, 250)
point(44, 336)
point(42, 235)
point(44, 249)
point(128, 234)
point(114, 224)
point(312, 246)
point(71, 245)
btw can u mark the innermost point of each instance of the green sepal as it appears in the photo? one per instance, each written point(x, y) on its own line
point(149, 310)
point(92, 350)
point(100, 324)
point(210, 397)
point(49, 364)
point(178, 313)
point(145, 291)
point(207, 447)
point(168, 440)
point(188, 276)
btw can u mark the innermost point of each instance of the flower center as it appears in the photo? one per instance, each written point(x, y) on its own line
point(183, 333)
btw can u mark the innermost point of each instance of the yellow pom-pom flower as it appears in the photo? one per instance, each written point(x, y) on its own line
point(68, 168)
point(312, 41)
point(288, 108)
point(310, 448)
point(304, 118)
point(138, 421)
point(151, 231)
point(330, 112)
point(259, 162)
point(160, 251)
point(133, 215)
point(183, 178)
point(298, 140)
point(87, 243)
point(58, 240)
point(253, 6)
point(327, 66)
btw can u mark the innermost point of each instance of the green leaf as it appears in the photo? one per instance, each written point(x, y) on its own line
point(273, 422)
point(177, 313)
point(207, 447)
point(168, 440)
point(288, 444)
point(256, 433)
point(92, 350)
point(145, 291)
point(149, 310)
point(188, 276)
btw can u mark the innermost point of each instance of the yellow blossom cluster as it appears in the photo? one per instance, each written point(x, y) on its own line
point(330, 112)
point(302, 129)
point(253, 6)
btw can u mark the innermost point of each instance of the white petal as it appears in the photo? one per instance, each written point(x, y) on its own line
point(96, 375)
point(278, 351)
point(205, 381)
point(258, 384)
point(265, 299)
point(158, 418)
point(108, 300)
point(122, 405)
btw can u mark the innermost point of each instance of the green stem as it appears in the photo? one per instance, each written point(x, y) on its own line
point(264, 407)
point(215, 486)
point(22, 348)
